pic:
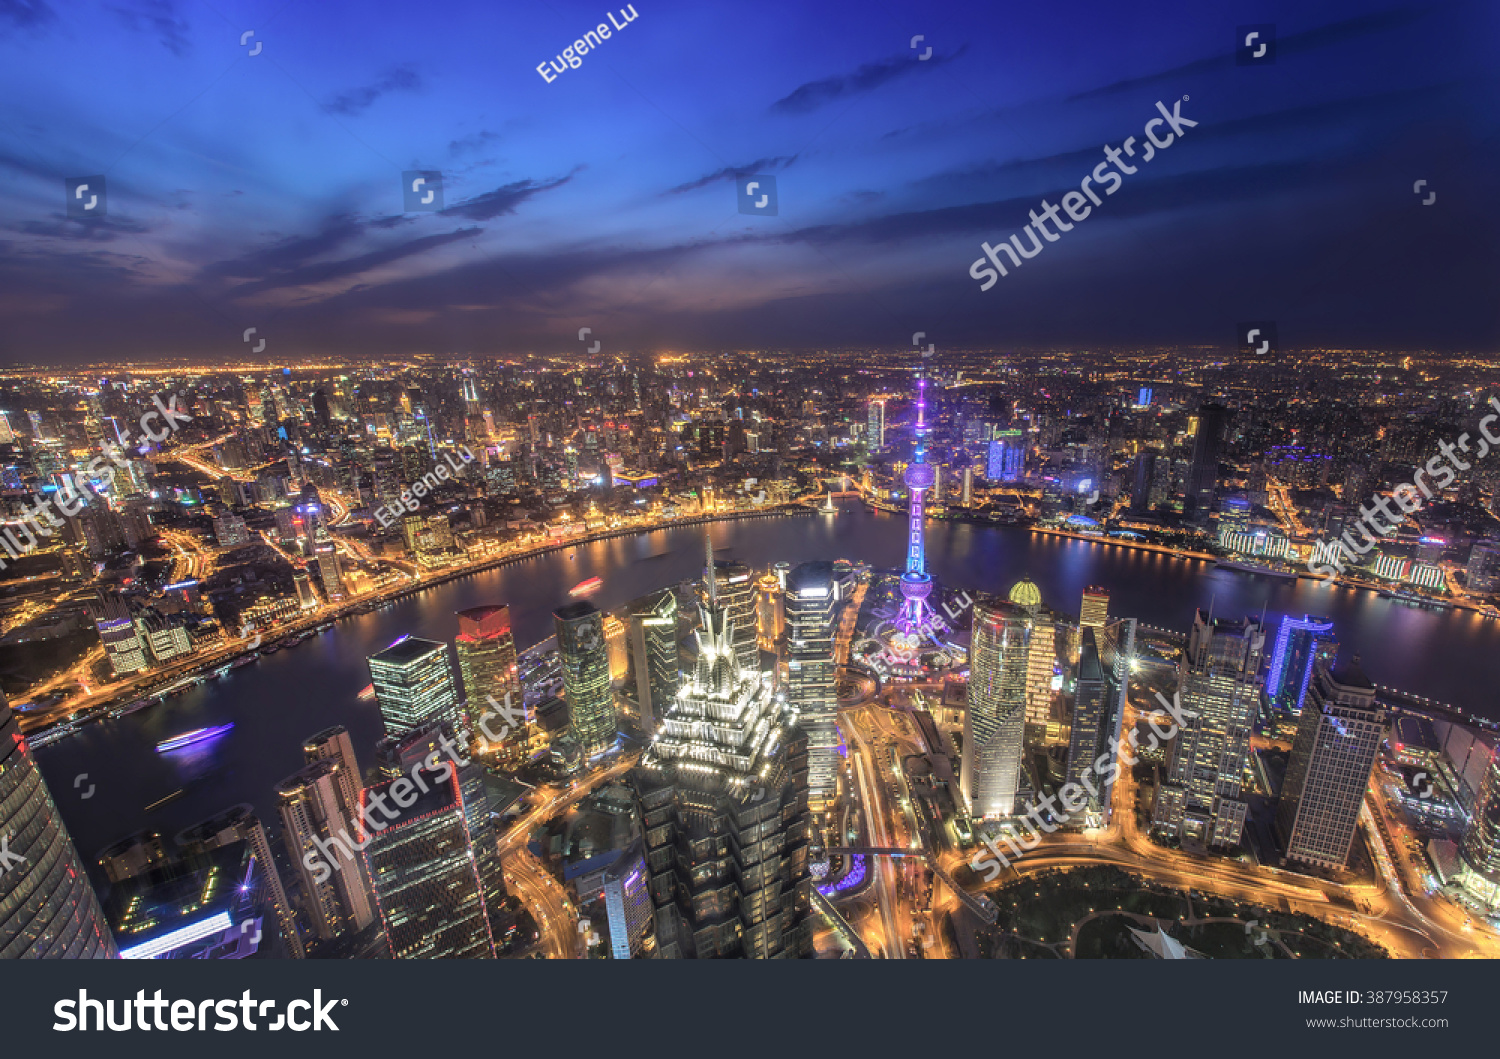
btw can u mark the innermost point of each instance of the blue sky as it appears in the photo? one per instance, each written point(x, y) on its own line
point(265, 190)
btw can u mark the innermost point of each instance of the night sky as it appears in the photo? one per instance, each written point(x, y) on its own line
point(265, 190)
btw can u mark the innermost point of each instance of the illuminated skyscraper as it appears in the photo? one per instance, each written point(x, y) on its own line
point(812, 598)
point(723, 792)
point(916, 583)
point(1095, 611)
point(653, 656)
point(414, 684)
point(627, 902)
point(875, 423)
point(770, 613)
point(410, 755)
point(330, 573)
point(585, 670)
point(1338, 736)
point(995, 722)
point(47, 908)
point(423, 867)
point(1300, 643)
point(486, 651)
point(736, 593)
point(1202, 799)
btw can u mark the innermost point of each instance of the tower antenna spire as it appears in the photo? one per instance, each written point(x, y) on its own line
point(710, 581)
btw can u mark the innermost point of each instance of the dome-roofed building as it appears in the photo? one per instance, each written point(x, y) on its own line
point(1025, 593)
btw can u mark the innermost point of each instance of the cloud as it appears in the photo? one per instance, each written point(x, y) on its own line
point(26, 14)
point(159, 17)
point(734, 172)
point(357, 100)
point(814, 94)
point(503, 200)
point(323, 271)
point(475, 141)
point(1306, 41)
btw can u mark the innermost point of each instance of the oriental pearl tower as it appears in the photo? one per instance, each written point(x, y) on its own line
point(916, 583)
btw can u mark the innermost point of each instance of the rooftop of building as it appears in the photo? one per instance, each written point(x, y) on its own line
point(574, 611)
point(1350, 675)
point(407, 650)
point(1416, 732)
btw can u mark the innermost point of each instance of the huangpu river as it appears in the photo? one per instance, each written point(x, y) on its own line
point(1451, 656)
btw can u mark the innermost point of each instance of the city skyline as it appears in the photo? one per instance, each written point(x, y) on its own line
point(628, 484)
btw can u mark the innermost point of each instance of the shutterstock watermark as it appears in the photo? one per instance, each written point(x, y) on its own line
point(404, 790)
point(1074, 203)
point(1061, 807)
point(187, 1016)
point(411, 499)
point(1329, 557)
point(97, 479)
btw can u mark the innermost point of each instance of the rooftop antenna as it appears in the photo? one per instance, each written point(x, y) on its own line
point(708, 567)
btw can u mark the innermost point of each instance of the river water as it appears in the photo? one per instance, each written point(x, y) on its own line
point(1450, 656)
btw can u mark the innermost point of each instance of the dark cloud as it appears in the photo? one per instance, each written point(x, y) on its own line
point(867, 78)
point(1307, 41)
point(26, 14)
point(475, 141)
point(734, 172)
point(157, 17)
point(504, 199)
point(357, 100)
point(100, 230)
point(323, 271)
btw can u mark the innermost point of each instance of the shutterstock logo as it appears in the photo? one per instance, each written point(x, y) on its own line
point(188, 1016)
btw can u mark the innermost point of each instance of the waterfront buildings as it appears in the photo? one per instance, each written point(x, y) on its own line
point(486, 650)
point(47, 907)
point(1338, 736)
point(122, 641)
point(413, 681)
point(585, 671)
point(1301, 643)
